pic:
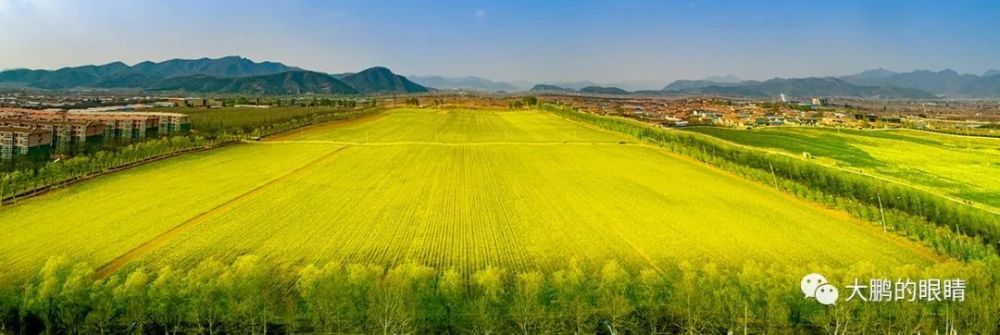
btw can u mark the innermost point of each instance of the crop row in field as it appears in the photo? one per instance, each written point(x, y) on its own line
point(97, 220)
point(522, 207)
point(449, 188)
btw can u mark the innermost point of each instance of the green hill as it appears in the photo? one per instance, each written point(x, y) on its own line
point(381, 80)
point(603, 90)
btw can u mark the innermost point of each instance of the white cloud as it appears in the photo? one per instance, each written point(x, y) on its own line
point(480, 14)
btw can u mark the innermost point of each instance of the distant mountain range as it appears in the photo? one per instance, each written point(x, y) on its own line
point(602, 90)
point(628, 85)
point(469, 83)
point(681, 85)
point(236, 74)
point(291, 82)
point(472, 83)
point(920, 84)
point(231, 74)
point(944, 83)
point(877, 83)
point(117, 73)
point(796, 87)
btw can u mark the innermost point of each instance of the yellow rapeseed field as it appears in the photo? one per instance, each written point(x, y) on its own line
point(447, 188)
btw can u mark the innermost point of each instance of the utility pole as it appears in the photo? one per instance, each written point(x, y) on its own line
point(881, 212)
point(774, 176)
point(745, 317)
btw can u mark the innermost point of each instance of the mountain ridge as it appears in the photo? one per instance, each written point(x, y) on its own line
point(947, 82)
point(611, 90)
point(549, 88)
point(266, 76)
point(795, 87)
point(472, 83)
point(293, 82)
point(379, 79)
point(103, 75)
point(230, 74)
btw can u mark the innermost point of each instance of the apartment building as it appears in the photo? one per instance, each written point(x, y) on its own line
point(65, 135)
point(136, 125)
point(71, 131)
point(24, 141)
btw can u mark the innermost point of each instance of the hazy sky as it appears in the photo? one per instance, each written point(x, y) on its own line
point(515, 40)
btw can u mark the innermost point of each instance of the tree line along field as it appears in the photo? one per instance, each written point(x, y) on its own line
point(212, 121)
point(448, 188)
point(964, 167)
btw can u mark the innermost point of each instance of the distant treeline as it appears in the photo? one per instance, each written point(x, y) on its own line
point(292, 102)
point(253, 296)
point(952, 215)
point(984, 131)
point(314, 119)
point(221, 122)
point(942, 239)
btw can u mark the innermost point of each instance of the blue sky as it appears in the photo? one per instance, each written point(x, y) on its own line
point(607, 41)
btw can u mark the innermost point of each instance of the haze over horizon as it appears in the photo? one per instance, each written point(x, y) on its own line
point(623, 41)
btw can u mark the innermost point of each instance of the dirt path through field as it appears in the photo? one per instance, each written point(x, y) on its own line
point(167, 236)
